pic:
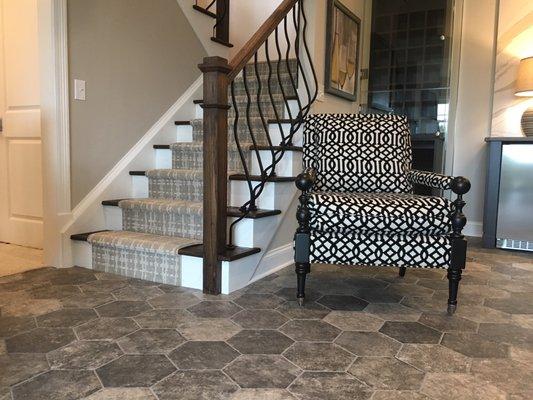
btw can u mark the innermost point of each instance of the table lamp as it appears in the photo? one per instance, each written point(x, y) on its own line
point(524, 88)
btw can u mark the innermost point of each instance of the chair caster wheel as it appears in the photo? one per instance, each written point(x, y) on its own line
point(301, 301)
point(451, 309)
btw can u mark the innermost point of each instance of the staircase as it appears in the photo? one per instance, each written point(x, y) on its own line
point(158, 235)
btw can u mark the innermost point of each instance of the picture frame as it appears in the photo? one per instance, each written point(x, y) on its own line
point(343, 38)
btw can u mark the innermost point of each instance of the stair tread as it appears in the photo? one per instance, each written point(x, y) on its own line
point(82, 237)
point(267, 147)
point(204, 11)
point(182, 123)
point(232, 211)
point(222, 42)
point(230, 254)
point(141, 241)
point(242, 177)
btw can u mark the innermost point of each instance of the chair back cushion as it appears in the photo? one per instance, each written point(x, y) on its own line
point(358, 152)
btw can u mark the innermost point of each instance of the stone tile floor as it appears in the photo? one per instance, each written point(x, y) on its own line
point(364, 334)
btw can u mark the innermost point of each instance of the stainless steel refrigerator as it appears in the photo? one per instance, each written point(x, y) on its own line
point(515, 205)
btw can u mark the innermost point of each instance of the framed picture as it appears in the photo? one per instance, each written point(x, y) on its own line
point(342, 51)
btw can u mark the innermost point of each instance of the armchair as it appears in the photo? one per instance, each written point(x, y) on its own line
point(357, 205)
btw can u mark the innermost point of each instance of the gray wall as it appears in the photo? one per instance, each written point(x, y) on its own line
point(137, 57)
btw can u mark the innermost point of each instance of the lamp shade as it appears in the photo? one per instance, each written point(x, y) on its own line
point(524, 81)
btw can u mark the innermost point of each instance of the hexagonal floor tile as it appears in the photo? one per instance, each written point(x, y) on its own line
point(84, 355)
point(214, 329)
point(40, 340)
point(174, 300)
point(310, 330)
point(259, 319)
point(482, 314)
point(137, 293)
point(253, 301)
point(453, 386)
point(135, 371)
point(260, 342)
point(10, 326)
point(123, 308)
point(399, 395)
point(410, 332)
point(354, 321)
point(16, 368)
point(445, 323)
point(215, 309)
point(106, 328)
point(30, 307)
point(87, 300)
point(344, 303)
point(104, 286)
point(474, 345)
point(329, 386)
point(151, 341)
point(386, 373)
point(289, 294)
point(164, 319)
point(319, 356)
point(393, 312)
point(377, 295)
point(270, 394)
point(517, 303)
point(66, 318)
point(310, 310)
point(193, 385)
point(509, 375)
point(368, 344)
point(58, 385)
point(203, 355)
point(262, 371)
point(73, 277)
point(433, 358)
point(54, 292)
point(507, 333)
point(122, 394)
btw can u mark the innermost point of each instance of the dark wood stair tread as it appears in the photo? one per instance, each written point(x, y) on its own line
point(204, 11)
point(161, 146)
point(275, 148)
point(284, 121)
point(222, 42)
point(182, 123)
point(138, 173)
point(242, 177)
point(230, 254)
point(82, 237)
point(232, 211)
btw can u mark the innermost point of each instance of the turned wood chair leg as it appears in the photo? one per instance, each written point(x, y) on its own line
point(402, 271)
point(454, 276)
point(302, 269)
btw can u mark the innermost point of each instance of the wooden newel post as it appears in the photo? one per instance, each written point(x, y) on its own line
point(215, 127)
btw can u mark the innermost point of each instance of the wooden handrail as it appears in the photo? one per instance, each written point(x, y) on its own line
point(258, 39)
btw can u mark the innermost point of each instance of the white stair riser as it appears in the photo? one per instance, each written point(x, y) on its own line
point(275, 195)
point(183, 133)
point(83, 254)
point(113, 218)
point(254, 232)
point(191, 272)
point(276, 135)
point(163, 159)
point(139, 187)
point(289, 165)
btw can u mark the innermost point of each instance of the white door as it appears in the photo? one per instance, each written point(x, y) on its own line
point(21, 204)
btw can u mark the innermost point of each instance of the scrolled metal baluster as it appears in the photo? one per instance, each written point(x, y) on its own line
point(285, 101)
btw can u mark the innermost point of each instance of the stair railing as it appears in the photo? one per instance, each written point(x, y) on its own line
point(284, 35)
point(220, 10)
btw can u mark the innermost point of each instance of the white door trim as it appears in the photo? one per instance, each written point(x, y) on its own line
point(53, 49)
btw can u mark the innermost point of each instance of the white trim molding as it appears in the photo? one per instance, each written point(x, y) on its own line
point(53, 55)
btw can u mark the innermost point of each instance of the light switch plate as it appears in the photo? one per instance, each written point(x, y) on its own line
point(79, 89)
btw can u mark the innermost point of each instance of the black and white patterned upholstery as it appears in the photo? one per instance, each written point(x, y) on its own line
point(362, 210)
point(386, 213)
point(358, 152)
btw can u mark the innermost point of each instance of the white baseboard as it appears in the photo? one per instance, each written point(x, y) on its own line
point(473, 228)
point(273, 261)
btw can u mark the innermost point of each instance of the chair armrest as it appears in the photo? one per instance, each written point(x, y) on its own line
point(306, 180)
point(430, 179)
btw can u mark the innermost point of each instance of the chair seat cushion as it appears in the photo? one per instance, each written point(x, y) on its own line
point(373, 249)
point(384, 213)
